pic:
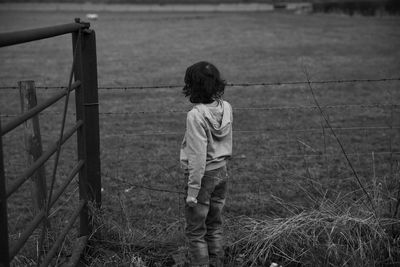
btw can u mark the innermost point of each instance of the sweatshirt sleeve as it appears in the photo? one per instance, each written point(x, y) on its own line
point(196, 145)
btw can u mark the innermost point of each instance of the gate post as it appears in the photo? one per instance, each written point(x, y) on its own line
point(87, 110)
point(4, 249)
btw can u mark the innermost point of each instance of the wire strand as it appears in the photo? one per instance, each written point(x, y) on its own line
point(277, 108)
point(175, 158)
point(288, 130)
point(333, 131)
point(167, 190)
point(141, 186)
point(228, 84)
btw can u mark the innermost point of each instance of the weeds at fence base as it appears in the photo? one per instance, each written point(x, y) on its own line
point(117, 243)
point(328, 236)
point(335, 234)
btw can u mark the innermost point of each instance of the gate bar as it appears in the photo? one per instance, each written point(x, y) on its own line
point(60, 239)
point(45, 156)
point(71, 176)
point(19, 37)
point(26, 234)
point(4, 249)
point(32, 112)
point(39, 217)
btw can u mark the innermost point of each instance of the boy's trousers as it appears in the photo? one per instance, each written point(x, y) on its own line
point(204, 221)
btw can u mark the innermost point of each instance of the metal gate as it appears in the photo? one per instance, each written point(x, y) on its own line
point(84, 74)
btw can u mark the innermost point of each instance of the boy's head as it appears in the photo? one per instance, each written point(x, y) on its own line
point(203, 83)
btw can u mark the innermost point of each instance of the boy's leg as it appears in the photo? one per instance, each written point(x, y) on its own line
point(214, 236)
point(195, 232)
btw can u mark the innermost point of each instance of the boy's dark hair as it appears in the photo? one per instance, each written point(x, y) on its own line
point(203, 83)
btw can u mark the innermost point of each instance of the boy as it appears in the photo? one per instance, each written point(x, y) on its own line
point(205, 149)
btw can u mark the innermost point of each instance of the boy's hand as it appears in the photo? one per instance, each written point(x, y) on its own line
point(191, 201)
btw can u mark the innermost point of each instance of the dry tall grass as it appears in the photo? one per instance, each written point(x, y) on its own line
point(119, 243)
point(335, 233)
point(332, 235)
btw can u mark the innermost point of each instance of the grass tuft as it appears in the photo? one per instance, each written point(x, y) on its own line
point(120, 243)
point(328, 236)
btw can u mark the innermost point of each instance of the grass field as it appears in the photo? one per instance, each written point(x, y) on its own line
point(271, 174)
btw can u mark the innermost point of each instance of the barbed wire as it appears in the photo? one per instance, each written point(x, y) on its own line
point(154, 133)
point(270, 158)
point(259, 131)
point(278, 108)
point(136, 185)
point(241, 157)
point(141, 186)
point(313, 82)
point(133, 185)
point(248, 84)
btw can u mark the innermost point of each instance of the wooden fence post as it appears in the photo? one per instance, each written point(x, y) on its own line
point(87, 109)
point(4, 248)
point(33, 143)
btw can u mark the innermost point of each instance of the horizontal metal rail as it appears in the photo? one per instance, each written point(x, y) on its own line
point(32, 112)
point(71, 176)
point(19, 37)
point(60, 239)
point(39, 217)
point(45, 156)
point(26, 234)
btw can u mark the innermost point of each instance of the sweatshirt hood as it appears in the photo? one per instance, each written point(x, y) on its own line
point(218, 118)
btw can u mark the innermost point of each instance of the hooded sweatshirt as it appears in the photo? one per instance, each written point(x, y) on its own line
point(207, 142)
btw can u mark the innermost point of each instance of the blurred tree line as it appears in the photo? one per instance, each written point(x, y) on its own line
point(350, 7)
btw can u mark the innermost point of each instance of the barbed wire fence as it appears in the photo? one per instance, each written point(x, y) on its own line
point(338, 81)
point(303, 156)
